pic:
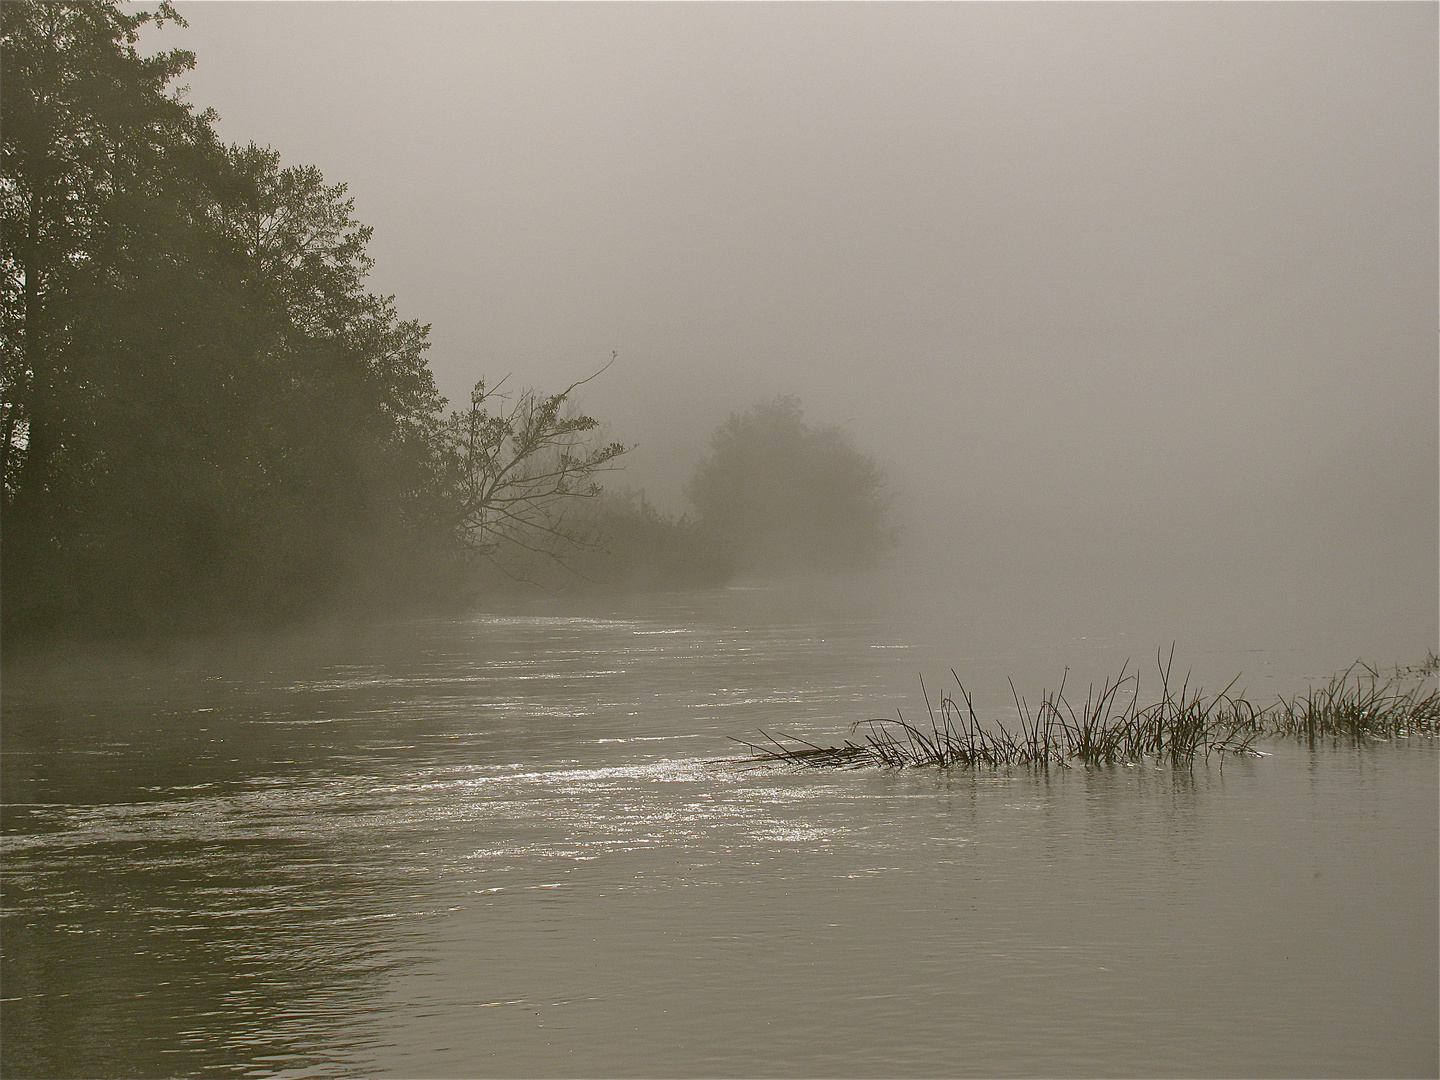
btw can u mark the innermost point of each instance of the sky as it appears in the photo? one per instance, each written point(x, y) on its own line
point(1132, 298)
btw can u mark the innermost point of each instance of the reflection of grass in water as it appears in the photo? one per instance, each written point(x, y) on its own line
point(1112, 727)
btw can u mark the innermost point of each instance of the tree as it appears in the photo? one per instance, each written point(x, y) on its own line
point(206, 418)
point(97, 178)
point(779, 494)
point(88, 131)
point(517, 467)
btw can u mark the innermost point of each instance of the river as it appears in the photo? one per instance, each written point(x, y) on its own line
point(524, 844)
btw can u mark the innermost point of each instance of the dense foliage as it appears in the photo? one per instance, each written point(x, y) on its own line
point(209, 422)
point(207, 419)
point(636, 547)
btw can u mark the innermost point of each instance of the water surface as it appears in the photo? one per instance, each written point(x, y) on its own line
point(523, 844)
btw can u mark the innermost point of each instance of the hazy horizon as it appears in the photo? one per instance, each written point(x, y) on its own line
point(1135, 303)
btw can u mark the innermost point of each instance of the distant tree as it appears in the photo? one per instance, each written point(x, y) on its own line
point(516, 469)
point(779, 494)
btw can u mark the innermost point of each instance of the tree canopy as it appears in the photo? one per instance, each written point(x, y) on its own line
point(207, 418)
point(780, 494)
point(210, 422)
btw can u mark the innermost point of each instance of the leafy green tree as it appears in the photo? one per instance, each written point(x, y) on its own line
point(778, 494)
point(207, 418)
point(345, 417)
point(86, 124)
point(97, 167)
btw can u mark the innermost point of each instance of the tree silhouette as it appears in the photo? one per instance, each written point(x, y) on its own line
point(517, 466)
point(779, 494)
point(206, 417)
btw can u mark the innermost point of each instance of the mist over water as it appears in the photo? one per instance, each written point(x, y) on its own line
point(1123, 315)
point(1135, 304)
point(522, 843)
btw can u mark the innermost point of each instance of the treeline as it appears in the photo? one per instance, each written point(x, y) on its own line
point(775, 496)
point(207, 419)
point(209, 422)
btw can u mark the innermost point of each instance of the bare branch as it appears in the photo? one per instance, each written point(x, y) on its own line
point(517, 463)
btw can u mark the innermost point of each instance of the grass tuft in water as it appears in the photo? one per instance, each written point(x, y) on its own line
point(1111, 726)
point(1360, 703)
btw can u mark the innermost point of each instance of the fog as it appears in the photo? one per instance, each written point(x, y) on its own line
point(1052, 393)
point(1135, 304)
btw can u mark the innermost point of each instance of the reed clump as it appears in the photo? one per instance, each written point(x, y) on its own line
point(1359, 703)
point(1112, 727)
